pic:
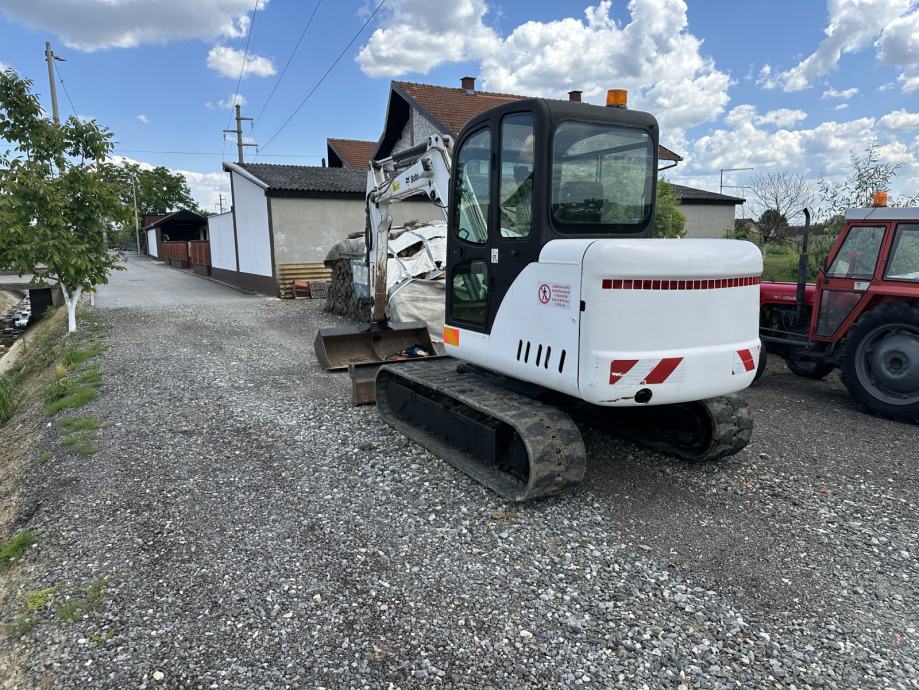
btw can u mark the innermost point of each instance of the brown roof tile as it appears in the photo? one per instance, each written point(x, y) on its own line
point(453, 108)
point(354, 153)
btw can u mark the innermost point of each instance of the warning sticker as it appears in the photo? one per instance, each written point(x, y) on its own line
point(555, 294)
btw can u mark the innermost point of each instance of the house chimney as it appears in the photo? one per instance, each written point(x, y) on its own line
point(323, 162)
point(574, 96)
point(468, 84)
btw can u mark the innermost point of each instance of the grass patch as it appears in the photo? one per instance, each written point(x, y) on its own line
point(16, 547)
point(66, 394)
point(88, 423)
point(75, 355)
point(80, 443)
point(44, 456)
point(38, 599)
point(9, 398)
point(70, 612)
point(94, 593)
point(20, 625)
point(93, 377)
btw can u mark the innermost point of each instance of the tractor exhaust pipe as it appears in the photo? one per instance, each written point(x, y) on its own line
point(803, 261)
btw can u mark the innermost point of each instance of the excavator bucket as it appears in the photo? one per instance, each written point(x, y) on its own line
point(336, 348)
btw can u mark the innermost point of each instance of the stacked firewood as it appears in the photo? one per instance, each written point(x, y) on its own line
point(341, 299)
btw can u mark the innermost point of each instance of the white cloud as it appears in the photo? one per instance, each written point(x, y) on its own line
point(819, 151)
point(143, 119)
point(232, 100)
point(899, 46)
point(98, 24)
point(840, 106)
point(836, 93)
point(418, 35)
point(887, 86)
point(228, 61)
point(853, 26)
point(900, 120)
point(783, 117)
point(4, 67)
point(653, 55)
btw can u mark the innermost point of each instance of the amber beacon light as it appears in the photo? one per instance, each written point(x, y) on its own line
point(880, 199)
point(617, 98)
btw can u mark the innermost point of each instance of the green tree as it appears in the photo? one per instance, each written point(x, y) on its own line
point(772, 225)
point(159, 191)
point(56, 204)
point(668, 222)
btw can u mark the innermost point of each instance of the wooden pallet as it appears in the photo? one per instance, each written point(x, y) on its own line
point(288, 273)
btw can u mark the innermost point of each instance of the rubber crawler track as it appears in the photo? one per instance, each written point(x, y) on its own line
point(700, 431)
point(553, 445)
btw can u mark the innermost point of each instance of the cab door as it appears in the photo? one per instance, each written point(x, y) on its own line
point(493, 229)
point(848, 277)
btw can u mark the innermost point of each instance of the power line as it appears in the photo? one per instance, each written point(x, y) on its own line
point(290, 57)
point(241, 70)
point(322, 78)
point(66, 93)
point(217, 153)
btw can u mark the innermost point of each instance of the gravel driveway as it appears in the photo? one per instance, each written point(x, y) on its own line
point(250, 530)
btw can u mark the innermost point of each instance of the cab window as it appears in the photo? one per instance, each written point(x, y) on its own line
point(516, 171)
point(904, 259)
point(469, 292)
point(473, 185)
point(858, 255)
point(602, 178)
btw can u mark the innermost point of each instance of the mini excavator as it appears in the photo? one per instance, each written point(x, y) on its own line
point(561, 309)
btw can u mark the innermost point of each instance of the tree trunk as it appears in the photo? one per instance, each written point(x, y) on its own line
point(71, 302)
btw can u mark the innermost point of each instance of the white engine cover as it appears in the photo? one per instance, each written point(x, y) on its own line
point(604, 319)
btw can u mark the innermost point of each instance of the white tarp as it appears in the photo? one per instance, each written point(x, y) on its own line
point(420, 300)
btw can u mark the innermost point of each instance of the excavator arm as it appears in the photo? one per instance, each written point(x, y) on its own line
point(421, 169)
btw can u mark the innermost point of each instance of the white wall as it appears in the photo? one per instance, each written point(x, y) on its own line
point(151, 243)
point(707, 220)
point(306, 229)
point(251, 208)
point(223, 249)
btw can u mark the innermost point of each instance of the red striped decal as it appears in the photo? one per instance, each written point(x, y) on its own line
point(665, 284)
point(747, 358)
point(619, 368)
point(662, 371)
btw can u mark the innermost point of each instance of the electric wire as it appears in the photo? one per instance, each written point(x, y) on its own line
point(289, 59)
point(323, 77)
point(216, 153)
point(66, 92)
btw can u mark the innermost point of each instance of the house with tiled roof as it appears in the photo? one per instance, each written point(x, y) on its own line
point(416, 111)
point(349, 153)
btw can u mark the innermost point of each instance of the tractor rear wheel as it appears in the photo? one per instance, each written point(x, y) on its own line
point(880, 361)
point(809, 368)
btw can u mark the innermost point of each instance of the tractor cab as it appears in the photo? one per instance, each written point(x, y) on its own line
point(862, 315)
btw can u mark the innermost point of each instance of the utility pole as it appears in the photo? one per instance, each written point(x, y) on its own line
point(220, 201)
point(49, 58)
point(239, 134)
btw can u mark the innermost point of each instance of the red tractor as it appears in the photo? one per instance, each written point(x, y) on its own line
point(862, 315)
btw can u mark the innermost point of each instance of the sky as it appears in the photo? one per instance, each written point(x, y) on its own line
point(773, 85)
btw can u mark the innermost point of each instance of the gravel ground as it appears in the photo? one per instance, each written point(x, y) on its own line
point(250, 529)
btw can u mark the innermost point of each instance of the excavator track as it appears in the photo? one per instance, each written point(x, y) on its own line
point(700, 431)
point(522, 442)
point(518, 447)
